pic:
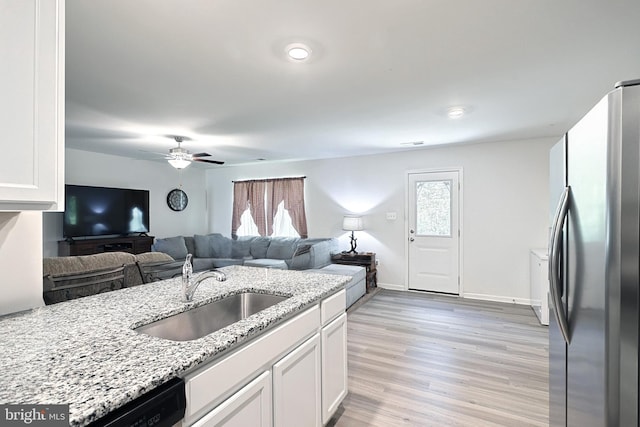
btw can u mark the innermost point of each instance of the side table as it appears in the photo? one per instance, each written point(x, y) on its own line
point(362, 259)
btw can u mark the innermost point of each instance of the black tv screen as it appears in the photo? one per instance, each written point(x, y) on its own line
point(100, 211)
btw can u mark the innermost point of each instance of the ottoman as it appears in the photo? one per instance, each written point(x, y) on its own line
point(356, 287)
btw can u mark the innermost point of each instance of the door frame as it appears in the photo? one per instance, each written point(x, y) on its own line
point(459, 170)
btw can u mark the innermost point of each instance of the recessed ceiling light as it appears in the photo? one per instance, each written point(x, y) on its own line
point(455, 112)
point(298, 51)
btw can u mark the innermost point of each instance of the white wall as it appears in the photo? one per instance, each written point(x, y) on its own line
point(20, 261)
point(87, 168)
point(505, 200)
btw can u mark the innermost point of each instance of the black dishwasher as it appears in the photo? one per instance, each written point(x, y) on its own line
point(161, 407)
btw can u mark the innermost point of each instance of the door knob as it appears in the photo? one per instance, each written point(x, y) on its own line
point(411, 239)
point(411, 231)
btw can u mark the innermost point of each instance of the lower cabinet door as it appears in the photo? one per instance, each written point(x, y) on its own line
point(250, 406)
point(296, 387)
point(334, 366)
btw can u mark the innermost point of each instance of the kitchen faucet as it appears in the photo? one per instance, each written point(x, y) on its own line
point(189, 287)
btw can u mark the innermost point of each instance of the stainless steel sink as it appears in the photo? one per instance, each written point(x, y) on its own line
point(208, 318)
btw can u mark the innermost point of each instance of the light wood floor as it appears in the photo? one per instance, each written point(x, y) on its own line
point(428, 360)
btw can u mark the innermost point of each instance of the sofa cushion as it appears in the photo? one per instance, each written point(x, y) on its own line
point(190, 244)
point(147, 257)
point(282, 247)
point(213, 245)
point(172, 246)
point(241, 248)
point(259, 246)
point(201, 264)
point(266, 263)
point(223, 262)
point(202, 247)
point(320, 253)
point(79, 264)
point(356, 287)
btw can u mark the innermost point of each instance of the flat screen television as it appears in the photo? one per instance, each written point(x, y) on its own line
point(102, 211)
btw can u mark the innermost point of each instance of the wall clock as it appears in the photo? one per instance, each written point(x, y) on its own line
point(177, 200)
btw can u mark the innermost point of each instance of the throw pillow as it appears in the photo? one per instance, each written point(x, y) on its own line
point(259, 247)
point(241, 248)
point(282, 247)
point(220, 246)
point(172, 246)
point(301, 257)
point(203, 248)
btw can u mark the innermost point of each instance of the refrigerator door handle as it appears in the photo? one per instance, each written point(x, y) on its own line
point(554, 263)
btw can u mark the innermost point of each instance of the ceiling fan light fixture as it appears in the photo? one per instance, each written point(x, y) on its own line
point(179, 163)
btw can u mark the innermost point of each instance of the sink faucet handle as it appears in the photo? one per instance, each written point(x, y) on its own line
point(219, 275)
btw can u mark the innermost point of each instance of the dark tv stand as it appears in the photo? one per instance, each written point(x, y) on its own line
point(131, 244)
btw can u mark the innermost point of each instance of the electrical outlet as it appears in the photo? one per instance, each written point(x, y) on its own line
point(392, 216)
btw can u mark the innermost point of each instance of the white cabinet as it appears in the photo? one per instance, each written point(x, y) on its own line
point(297, 388)
point(305, 360)
point(334, 366)
point(32, 105)
point(251, 406)
point(539, 283)
point(211, 384)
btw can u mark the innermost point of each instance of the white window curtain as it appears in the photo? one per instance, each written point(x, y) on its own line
point(282, 225)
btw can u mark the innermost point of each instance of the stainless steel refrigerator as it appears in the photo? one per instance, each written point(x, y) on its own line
point(594, 254)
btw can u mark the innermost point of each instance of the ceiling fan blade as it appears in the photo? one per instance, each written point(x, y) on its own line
point(209, 161)
point(201, 155)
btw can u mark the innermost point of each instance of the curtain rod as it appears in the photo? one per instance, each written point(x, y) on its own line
point(270, 179)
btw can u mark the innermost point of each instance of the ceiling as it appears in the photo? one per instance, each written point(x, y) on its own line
point(382, 73)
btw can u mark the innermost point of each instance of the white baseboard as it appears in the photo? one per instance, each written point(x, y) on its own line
point(498, 298)
point(392, 286)
point(484, 297)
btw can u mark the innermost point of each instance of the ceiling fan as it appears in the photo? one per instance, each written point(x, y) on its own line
point(180, 158)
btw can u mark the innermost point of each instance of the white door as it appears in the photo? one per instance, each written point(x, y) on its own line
point(434, 233)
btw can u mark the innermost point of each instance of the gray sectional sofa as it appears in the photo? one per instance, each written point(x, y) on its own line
point(215, 250)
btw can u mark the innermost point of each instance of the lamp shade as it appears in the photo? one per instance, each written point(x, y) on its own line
point(352, 223)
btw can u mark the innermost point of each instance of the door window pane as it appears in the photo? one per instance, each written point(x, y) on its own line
point(433, 208)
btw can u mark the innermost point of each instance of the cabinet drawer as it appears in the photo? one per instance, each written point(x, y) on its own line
point(208, 386)
point(333, 306)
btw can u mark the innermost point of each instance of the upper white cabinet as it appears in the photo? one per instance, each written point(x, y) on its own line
point(32, 104)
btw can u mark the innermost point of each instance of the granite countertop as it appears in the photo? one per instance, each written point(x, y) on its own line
point(85, 352)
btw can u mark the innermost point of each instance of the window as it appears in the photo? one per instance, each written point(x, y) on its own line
point(270, 207)
point(433, 208)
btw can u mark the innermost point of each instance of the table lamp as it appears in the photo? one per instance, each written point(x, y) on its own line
point(352, 223)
